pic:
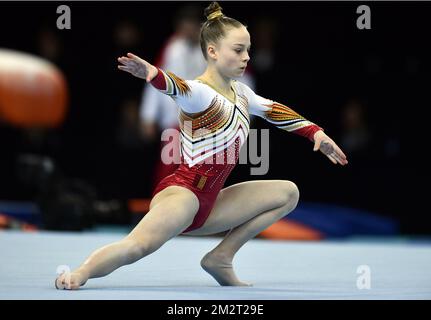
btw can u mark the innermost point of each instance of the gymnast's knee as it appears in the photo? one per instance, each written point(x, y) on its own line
point(290, 194)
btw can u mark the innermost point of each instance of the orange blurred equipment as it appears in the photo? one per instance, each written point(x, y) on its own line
point(33, 92)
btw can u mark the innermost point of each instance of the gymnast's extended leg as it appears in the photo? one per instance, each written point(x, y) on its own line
point(245, 209)
point(171, 211)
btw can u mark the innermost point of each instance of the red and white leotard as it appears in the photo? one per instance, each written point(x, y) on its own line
point(213, 129)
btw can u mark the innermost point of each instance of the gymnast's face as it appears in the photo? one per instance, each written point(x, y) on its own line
point(231, 53)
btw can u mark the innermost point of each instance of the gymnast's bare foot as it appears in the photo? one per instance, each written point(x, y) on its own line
point(220, 267)
point(70, 280)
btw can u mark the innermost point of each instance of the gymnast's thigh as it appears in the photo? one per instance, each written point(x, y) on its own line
point(241, 202)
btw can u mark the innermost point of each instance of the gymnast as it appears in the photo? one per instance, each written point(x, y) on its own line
point(214, 123)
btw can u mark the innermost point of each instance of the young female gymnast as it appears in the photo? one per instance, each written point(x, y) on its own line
point(214, 122)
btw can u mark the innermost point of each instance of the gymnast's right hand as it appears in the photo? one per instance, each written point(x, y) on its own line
point(137, 67)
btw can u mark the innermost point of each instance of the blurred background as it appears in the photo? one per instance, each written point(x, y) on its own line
point(86, 154)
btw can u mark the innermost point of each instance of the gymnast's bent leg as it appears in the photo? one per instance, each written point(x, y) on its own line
point(172, 210)
point(245, 209)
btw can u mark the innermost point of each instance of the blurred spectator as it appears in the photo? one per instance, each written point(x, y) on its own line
point(181, 55)
point(266, 61)
point(355, 135)
point(264, 38)
point(127, 35)
point(126, 38)
point(49, 45)
point(128, 132)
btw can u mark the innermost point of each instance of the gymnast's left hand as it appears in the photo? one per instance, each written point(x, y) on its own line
point(329, 148)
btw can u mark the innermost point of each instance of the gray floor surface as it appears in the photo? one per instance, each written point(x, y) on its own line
point(279, 270)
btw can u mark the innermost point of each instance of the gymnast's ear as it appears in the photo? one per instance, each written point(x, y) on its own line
point(212, 51)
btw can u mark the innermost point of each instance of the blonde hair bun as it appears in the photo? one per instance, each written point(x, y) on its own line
point(213, 11)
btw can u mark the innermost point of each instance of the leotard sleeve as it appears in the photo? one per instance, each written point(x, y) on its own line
point(189, 95)
point(280, 115)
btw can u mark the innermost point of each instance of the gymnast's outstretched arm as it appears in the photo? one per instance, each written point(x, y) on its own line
point(287, 119)
point(188, 95)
